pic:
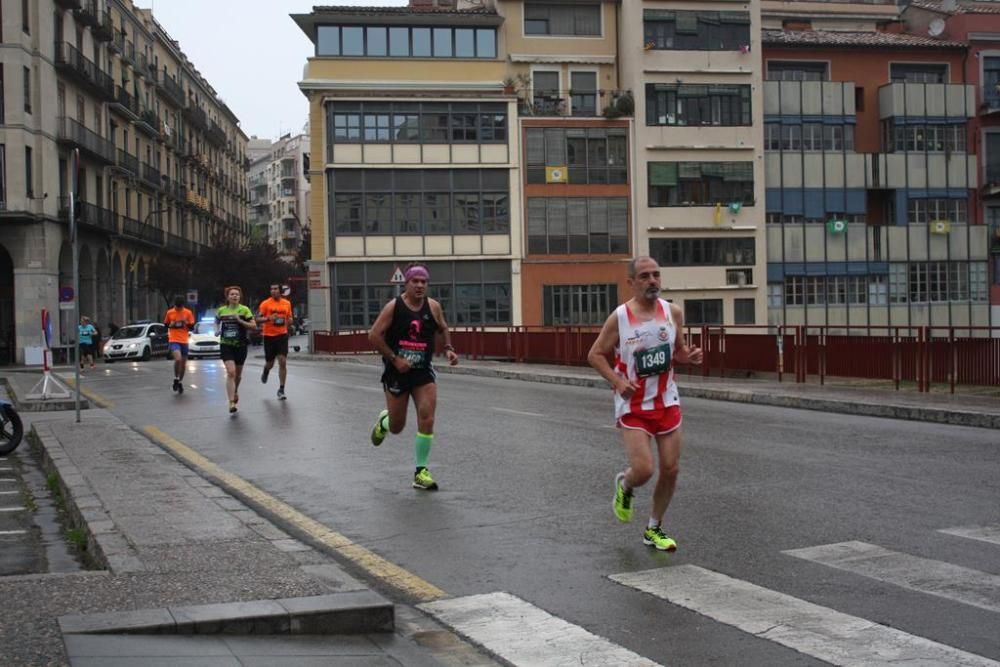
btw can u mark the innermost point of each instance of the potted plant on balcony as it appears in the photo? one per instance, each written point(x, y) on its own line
point(508, 86)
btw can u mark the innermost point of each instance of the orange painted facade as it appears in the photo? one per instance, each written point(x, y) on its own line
point(537, 271)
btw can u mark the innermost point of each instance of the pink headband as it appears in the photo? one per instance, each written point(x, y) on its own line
point(416, 272)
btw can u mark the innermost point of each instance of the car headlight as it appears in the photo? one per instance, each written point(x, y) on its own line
point(132, 346)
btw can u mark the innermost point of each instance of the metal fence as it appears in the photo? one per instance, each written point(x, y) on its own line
point(921, 355)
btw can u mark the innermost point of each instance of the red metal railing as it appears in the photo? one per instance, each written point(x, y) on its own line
point(923, 355)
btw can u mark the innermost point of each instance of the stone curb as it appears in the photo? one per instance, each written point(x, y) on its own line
point(107, 548)
point(850, 407)
point(354, 612)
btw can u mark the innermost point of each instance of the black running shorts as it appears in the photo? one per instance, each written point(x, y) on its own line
point(236, 353)
point(275, 346)
point(397, 383)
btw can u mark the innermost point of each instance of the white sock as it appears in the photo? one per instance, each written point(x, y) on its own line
point(652, 523)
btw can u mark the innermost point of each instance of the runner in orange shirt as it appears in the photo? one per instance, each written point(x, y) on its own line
point(179, 321)
point(275, 313)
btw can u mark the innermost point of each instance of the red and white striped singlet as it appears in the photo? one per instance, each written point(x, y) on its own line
point(657, 391)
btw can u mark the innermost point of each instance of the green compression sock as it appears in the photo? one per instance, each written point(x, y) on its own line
point(423, 448)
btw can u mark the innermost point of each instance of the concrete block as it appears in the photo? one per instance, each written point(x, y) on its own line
point(256, 617)
point(354, 612)
point(142, 621)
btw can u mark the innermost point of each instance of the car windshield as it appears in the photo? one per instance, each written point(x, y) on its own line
point(129, 332)
point(207, 328)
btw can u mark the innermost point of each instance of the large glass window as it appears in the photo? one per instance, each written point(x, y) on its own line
point(703, 251)
point(577, 304)
point(577, 225)
point(992, 158)
point(3, 177)
point(745, 311)
point(696, 105)
point(927, 138)
point(405, 42)
point(808, 137)
point(991, 82)
point(918, 73)
point(703, 311)
point(578, 20)
point(682, 30)
point(471, 293)
point(416, 201)
point(784, 70)
point(700, 183)
point(922, 211)
point(594, 155)
point(414, 122)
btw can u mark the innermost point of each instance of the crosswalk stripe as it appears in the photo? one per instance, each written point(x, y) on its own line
point(808, 628)
point(933, 577)
point(12, 532)
point(982, 533)
point(523, 634)
point(11, 509)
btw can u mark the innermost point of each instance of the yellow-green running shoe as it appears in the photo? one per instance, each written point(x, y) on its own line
point(654, 537)
point(423, 480)
point(378, 433)
point(622, 504)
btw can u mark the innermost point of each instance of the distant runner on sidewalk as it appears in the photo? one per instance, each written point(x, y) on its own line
point(404, 334)
point(275, 313)
point(179, 321)
point(646, 337)
point(232, 322)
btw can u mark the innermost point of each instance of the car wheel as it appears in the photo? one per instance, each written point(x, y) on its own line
point(146, 354)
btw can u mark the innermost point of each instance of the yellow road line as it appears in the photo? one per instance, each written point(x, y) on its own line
point(94, 398)
point(369, 561)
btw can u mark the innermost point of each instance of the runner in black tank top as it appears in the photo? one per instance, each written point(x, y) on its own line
point(404, 334)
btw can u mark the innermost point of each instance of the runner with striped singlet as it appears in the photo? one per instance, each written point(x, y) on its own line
point(645, 336)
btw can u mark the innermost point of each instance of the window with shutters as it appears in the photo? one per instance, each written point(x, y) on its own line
point(700, 183)
point(591, 155)
point(577, 225)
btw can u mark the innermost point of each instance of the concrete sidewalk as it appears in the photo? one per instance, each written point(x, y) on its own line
point(855, 399)
point(177, 557)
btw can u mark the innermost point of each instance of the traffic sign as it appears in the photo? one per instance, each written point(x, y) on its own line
point(67, 305)
point(397, 277)
point(192, 296)
point(65, 294)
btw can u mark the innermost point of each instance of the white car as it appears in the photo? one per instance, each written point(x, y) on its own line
point(203, 340)
point(137, 341)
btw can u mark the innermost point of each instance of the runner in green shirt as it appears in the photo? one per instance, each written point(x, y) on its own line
point(232, 322)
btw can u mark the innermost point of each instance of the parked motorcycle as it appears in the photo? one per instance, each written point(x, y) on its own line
point(11, 428)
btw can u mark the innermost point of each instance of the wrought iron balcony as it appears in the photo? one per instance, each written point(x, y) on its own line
point(216, 135)
point(196, 116)
point(125, 104)
point(181, 246)
point(74, 64)
point(991, 100)
point(141, 231)
point(128, 162)
point(172, 91)
point(74, 133)
point(151, 175)
point(69, 4)
point(104, 31)
point(117, 43)
point(148, 123)
point(578, 103)
point(89, 215)
point(86, 13)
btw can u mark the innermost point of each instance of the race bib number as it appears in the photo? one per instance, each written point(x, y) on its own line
point(417, 358)
point(278, 321)
point(230, 329)
point(177, 324)
point(654, 361)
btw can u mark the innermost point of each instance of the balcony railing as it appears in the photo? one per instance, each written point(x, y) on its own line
point(127, 162)
point(69, 4)
point(180, 245)
point(87, 14)
point(149, 123)
point(172, 90)
point(89, 215)
point(583, 104)
point(117, 43)
point(151, 175)
point(141, 231)
point(125, 103)
point(104, 31)
point(197, 116)
point(995, 238)
point(84, 70)
point(991, 100)
point(73, 132)
point(910, 100)
point(216, 135)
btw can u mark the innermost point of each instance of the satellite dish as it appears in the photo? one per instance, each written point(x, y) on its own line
point(936, 27)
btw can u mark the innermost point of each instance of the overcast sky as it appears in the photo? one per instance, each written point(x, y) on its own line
point(251, 52)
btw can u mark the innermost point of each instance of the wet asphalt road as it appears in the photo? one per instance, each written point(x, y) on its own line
point(526, 474)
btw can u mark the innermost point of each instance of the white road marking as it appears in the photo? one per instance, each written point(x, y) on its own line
point(923, 575)
point(523, 634)
point(7, 479)
point(8, 493)
point(817, 631)
point(12, 532)
point(989, 534)
point(519, 412)
point(12, 509)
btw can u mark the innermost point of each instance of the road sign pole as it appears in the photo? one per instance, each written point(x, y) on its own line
point(76, 271)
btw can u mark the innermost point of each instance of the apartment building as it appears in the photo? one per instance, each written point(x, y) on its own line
point(279, 191)
point(414, 156)
point(698, 179)
point(871, 171)
point(162, 163)
point(978, 25)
